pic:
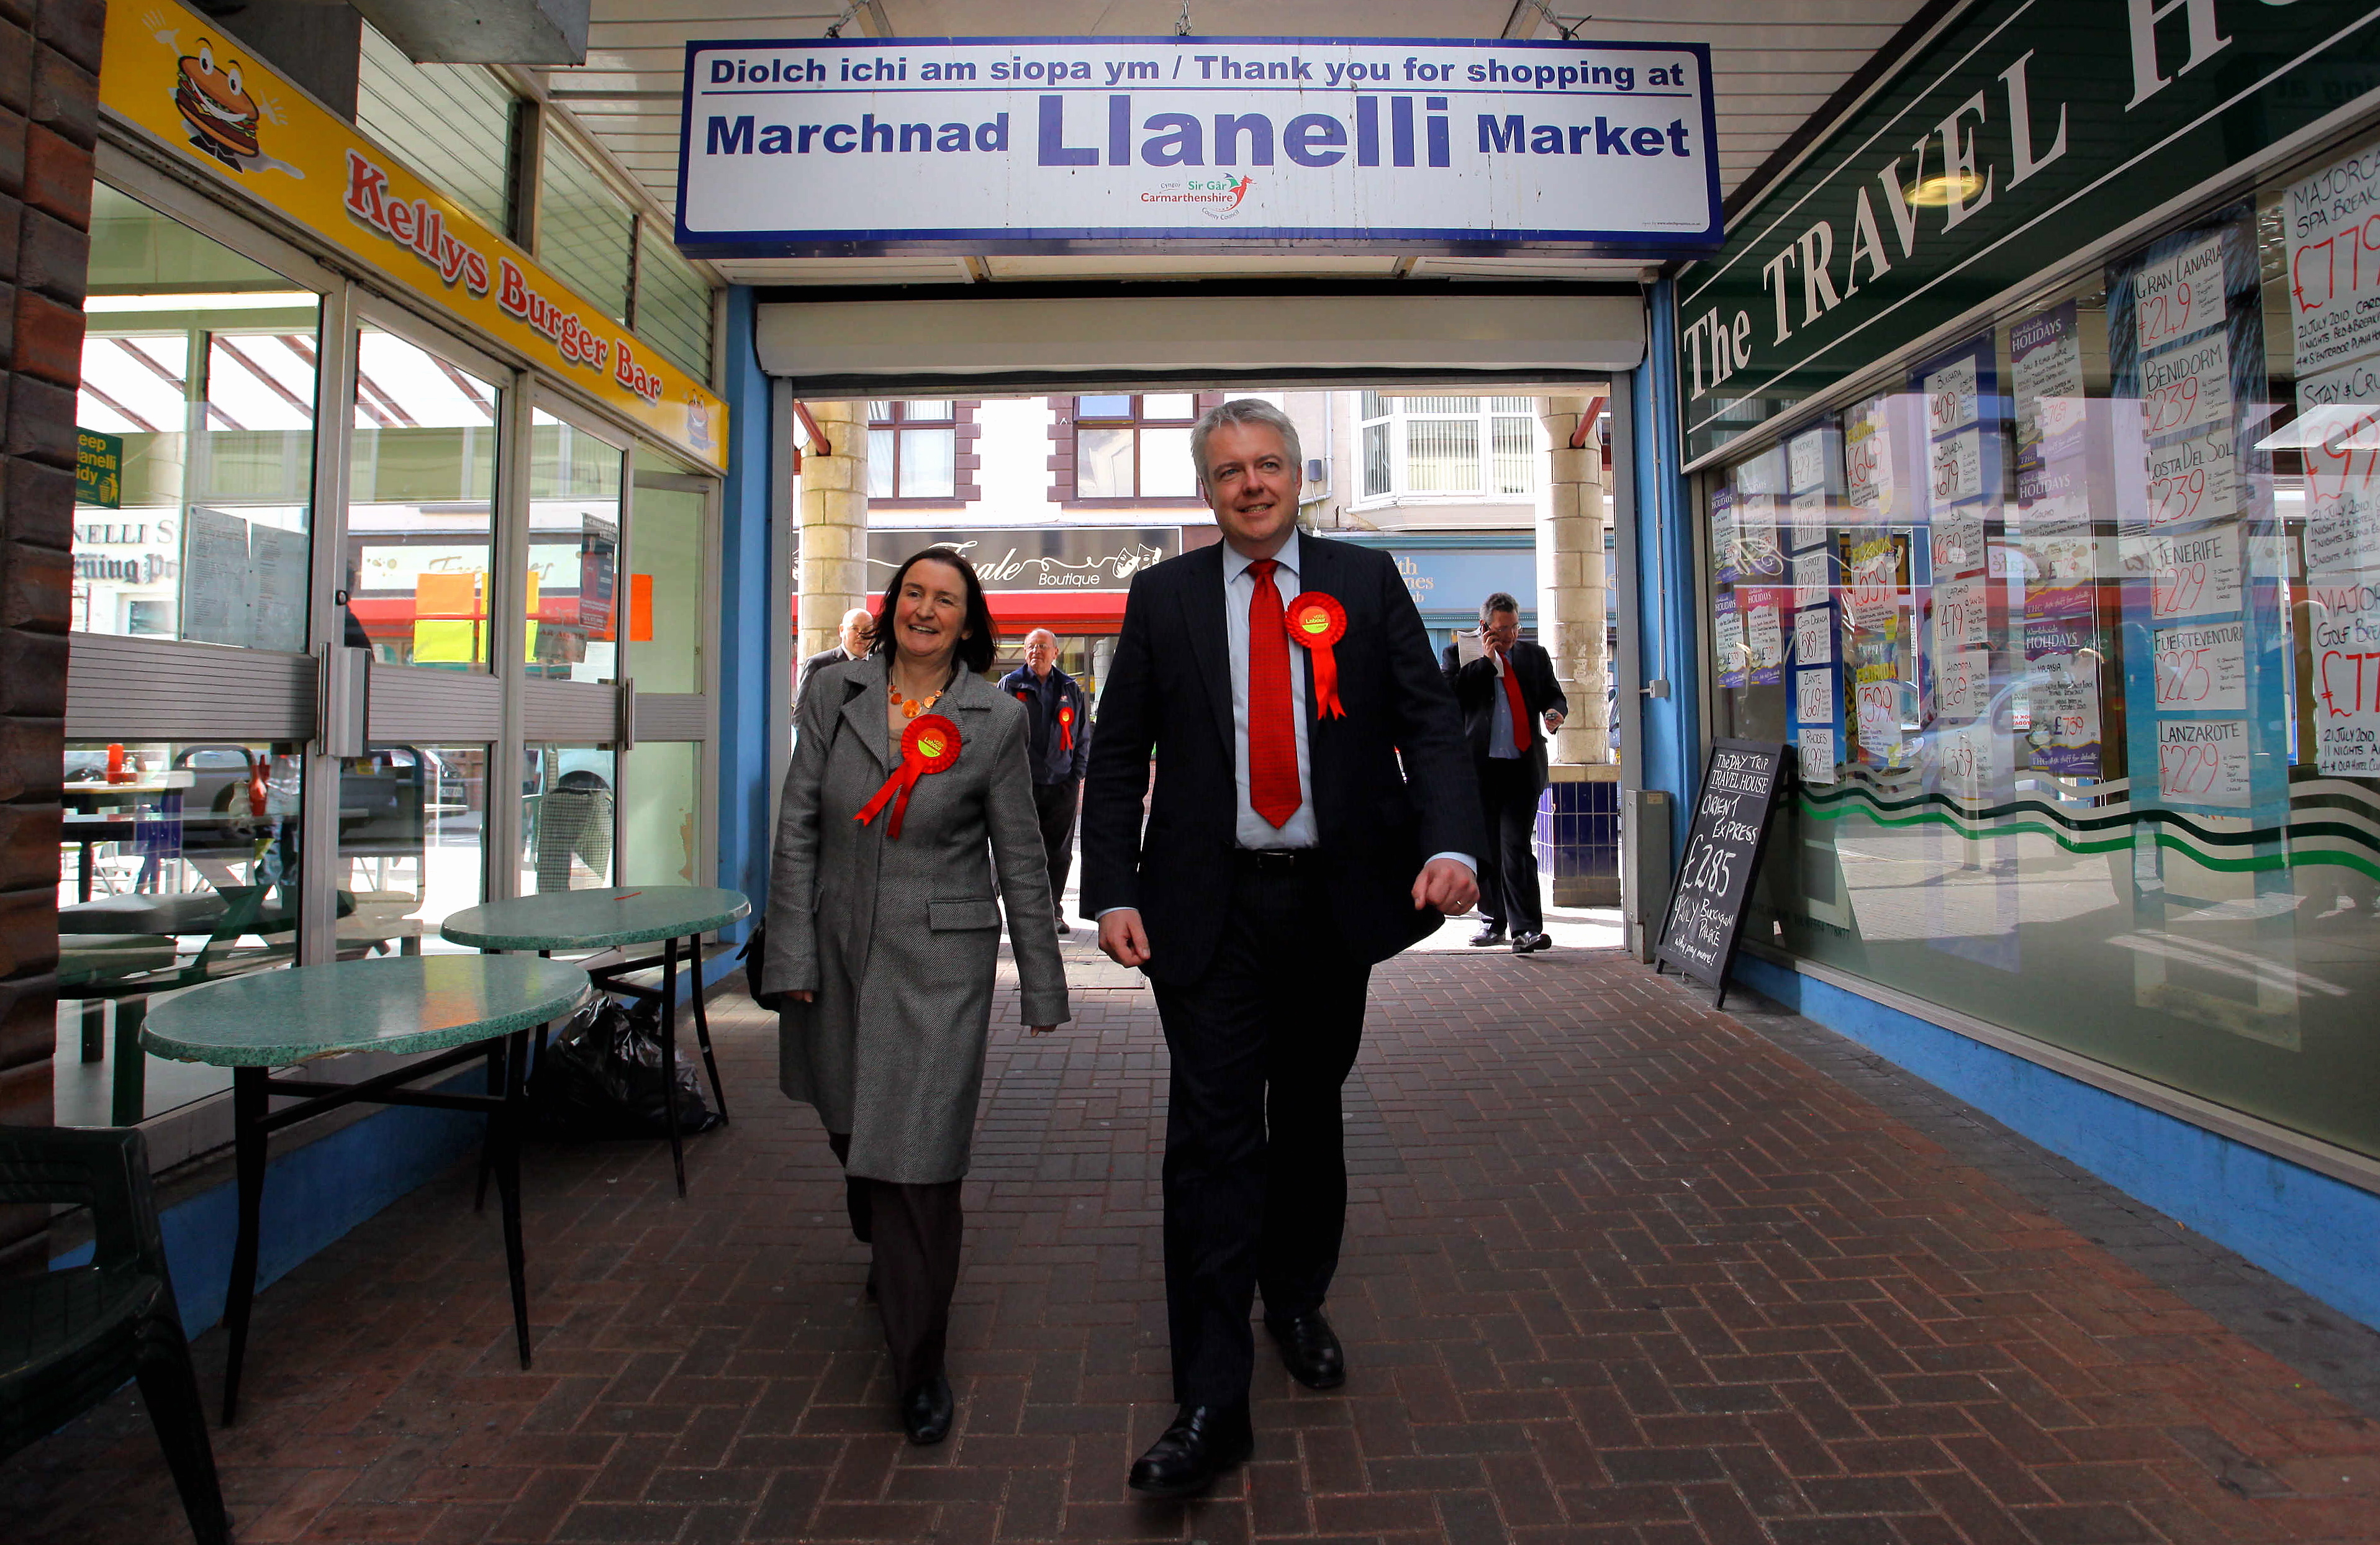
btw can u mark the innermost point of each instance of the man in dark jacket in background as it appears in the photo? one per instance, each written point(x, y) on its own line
point(1510, 703)
point(853, 634)
point(1058, 738)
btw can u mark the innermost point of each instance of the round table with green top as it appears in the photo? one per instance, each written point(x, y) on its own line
point(455, 1007)
point(615, 916)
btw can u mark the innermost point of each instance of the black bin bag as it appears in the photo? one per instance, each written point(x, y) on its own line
point(601, 1078)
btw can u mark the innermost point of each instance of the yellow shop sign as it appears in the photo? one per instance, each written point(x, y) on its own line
point(169, 73)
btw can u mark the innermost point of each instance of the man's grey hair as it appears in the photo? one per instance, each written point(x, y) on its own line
point(1242, 410)
point(1499, 602)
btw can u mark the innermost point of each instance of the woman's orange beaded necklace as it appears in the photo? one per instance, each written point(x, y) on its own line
point(911, 707)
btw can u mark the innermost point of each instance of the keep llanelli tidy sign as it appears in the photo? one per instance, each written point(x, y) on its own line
point(862, 145)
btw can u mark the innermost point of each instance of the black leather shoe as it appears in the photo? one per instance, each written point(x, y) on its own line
point(926, 1411)
point(1530, 943)
point(1202, 1443)
point(1489, 933)
point(1310, 1349)
point(1064, 926)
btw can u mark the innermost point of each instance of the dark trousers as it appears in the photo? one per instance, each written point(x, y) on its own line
point(1054, 803)
point(915, 1231)
point(1507, 870)
point(1255, 1173)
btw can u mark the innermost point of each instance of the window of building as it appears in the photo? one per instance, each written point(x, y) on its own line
point(454, 124)
point(672, 303)
point(913, 449)
point(586, 232)
point(2068, 623)
point(1135, 446)
point(1430, 448)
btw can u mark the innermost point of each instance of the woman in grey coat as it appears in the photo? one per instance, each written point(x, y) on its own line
point(909, 786)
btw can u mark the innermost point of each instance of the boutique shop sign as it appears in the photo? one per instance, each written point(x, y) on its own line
point(2010, 140)
point(1019, 144)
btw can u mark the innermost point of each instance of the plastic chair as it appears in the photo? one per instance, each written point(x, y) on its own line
point(69, 1338)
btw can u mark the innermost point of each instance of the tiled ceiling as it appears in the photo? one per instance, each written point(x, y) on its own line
point(1774, 63)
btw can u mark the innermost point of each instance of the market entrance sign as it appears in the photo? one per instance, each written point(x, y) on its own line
point(831, 146)
point(2011, 140)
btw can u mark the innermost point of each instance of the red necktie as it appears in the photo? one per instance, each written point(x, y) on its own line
point(1520, 710)
point(1272, 734)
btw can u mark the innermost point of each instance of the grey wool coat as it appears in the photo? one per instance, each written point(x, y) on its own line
point(901, 939)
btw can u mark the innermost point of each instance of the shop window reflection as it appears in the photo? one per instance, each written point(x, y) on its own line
point(2043, 625)
point(198, 403)
point(574, 554)
point(412, 826)
point(180, 864)
point(421, 532)
point(567, 818)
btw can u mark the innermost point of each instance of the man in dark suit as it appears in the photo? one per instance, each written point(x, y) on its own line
point(1504, 694)
point(1288, 849)
point(854, 635)
point(1058, 741)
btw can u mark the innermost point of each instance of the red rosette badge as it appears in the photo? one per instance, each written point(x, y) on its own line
point(1066, 727)
point(1318, 622)
point(928, 745)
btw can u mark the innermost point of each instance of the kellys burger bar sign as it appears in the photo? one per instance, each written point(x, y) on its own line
point(171, 74)
point(2015, 137)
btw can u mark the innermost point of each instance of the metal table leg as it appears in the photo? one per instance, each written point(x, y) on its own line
point(249, 1100)
point(669, 1056)
point(506, 1127)
point(702, 1027)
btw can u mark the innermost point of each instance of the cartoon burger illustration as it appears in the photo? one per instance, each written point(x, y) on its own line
point(221, 111)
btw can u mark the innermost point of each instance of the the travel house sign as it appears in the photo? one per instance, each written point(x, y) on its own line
point(835, 146)
point(2017, 136)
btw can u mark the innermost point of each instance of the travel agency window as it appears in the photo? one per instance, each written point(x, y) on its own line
point(1433, 447)
point(1129, 446)
point(2071, 617)
point(185, 777)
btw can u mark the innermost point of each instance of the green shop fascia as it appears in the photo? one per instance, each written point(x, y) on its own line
point(2033, 424)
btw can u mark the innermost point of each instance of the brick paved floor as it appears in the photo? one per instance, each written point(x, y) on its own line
point(1618, 1270)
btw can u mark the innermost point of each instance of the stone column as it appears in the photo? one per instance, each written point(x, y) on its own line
point(1570, 580)
point(49, 88)
point(834, 523)
point(1578, 825)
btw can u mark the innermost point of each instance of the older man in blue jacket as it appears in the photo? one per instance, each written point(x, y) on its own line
point(1058, 740)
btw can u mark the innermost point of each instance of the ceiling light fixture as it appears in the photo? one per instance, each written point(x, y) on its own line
point(1942, 192)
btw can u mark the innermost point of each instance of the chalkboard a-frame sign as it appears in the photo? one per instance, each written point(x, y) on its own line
point(1723, 846)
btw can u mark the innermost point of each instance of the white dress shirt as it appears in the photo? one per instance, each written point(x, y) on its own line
point(1239, 589)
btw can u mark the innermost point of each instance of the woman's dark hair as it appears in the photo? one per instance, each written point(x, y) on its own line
point(981, 645)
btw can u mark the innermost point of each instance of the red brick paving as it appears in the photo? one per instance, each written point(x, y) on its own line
point(1618, 1271)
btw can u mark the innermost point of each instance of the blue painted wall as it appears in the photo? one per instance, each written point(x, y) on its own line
point(2307, 1229)
point(747, 561)
point(1667, 583)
